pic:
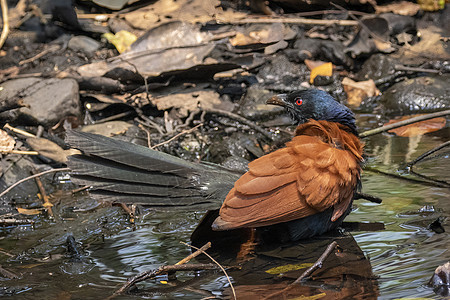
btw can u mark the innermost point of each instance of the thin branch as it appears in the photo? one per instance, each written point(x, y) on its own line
point(296, 21)
point(429, 183)
point(5, 30)
point(195, 254)
point(367, 197)
point(47, 204)
point(8, 274)
point(179, 266)
point(177, 136)
point(317, 265)
point(31, 177)
point(19, 131)
point(403, 123)
point(239, 119)
point(220, 266)
point(428, 153)
point(51, 48)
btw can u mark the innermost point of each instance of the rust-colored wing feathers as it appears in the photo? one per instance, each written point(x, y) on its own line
point(318, 169)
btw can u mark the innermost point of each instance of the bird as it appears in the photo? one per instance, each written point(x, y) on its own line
point(307, 186)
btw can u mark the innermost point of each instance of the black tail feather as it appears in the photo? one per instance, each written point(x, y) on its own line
point(119, 171)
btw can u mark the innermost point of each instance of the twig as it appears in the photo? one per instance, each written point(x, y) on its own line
point(239, 119)
point(317, 265)
point(47, 204)
point(51, 48)
point(411, 69)
point(128, 211)
point(177, 267)
point(177, 136)
point(80, 189)
point(429, 183)
point(19, 131)
point(22, 152)
point(222, 268)
point(8, 274)
point(404, 122)
point(161, 270)
point(31, 177)
point(195, 254)
point(367, 197)
point(114, 117)
point(15, 221)
point(297, 21)
point(149, 142)
point(5, 29)
point(428, 153)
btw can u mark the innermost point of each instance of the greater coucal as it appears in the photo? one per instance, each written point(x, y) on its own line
point(308, 185)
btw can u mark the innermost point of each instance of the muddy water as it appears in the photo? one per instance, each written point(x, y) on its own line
point(401, 258)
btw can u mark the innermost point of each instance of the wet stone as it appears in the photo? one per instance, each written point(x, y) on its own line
point(84, 44)
point(416, 95)
point(378, 66)
point(47, 100)
point(255, 107)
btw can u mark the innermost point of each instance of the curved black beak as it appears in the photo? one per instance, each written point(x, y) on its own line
point(280, 100)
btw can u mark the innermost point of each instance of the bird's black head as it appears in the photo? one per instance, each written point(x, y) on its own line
point(315, 104)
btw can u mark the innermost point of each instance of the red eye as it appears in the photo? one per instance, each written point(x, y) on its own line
point(298, 101)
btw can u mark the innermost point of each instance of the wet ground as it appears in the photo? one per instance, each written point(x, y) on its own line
point(401, 258)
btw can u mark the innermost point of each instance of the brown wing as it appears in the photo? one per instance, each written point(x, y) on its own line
point(313, 173)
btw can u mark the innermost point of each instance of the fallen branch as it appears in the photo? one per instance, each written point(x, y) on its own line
point(317, 265)
point(5, 30)
point(238, 118)
point(179, 266)
point(403, 123)
point(219, 265)
point(31, 177)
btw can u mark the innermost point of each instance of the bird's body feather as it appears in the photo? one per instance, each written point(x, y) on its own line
point(317, 170)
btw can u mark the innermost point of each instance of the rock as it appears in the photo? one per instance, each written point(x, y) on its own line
point(255, 107)
point(440, 281)
point(84, 44)
point(376, 67)
point(47, 100)
point(420, 94)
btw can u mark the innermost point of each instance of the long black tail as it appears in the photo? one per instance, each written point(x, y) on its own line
point(119, 171)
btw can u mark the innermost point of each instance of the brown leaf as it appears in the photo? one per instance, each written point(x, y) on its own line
point(418, 128)
point(6, 142)
point(358, 91)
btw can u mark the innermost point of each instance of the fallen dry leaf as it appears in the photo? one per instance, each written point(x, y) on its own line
point(6, 142)
point(50, 150)
point(29, 212)
point(358, 91)
point(325, 69)
point(418, 128)
point(108, 128)
point(187, 102)
point(404, 8)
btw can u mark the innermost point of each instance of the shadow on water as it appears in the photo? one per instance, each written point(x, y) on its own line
point(395, 262)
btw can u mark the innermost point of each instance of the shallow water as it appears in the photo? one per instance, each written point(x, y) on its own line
point(402, 257)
